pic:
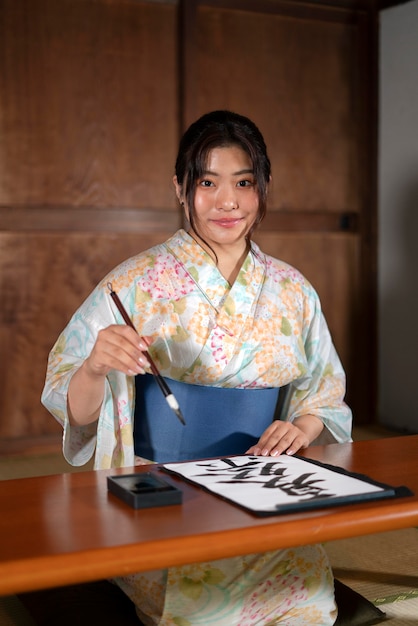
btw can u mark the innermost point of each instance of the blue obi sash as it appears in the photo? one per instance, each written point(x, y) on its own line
point(219, 421)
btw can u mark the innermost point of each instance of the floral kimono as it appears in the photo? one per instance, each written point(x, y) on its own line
point(265, 331)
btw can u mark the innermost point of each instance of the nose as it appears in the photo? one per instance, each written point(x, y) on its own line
point(227, 199)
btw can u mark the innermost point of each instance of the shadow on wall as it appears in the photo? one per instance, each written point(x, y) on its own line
point(398, 310)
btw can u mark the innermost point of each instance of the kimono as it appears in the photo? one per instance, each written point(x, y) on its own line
point(266, 330)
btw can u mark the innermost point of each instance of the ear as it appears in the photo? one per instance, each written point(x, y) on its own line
point(178, 189)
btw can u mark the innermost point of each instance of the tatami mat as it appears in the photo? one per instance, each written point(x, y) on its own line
point(383, 568)
point(13, 613)
point(401, 613)
point(21, 466)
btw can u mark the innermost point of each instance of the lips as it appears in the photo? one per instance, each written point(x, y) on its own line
point(227, 223)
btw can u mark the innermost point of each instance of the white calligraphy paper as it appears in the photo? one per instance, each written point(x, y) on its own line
point(267, 485)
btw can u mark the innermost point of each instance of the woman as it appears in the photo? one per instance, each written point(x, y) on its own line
point(218, 317)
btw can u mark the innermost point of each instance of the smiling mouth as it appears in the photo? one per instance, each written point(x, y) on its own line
point(228, 223)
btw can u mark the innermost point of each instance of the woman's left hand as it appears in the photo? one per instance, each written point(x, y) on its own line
point(287, 437)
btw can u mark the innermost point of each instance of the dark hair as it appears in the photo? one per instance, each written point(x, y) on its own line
point(221, 129)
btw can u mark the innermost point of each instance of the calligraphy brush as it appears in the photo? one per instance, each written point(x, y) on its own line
point(171, 400)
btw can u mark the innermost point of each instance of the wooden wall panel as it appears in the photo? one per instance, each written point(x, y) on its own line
point(89, 126)
point(89, 104)
point(294, 75)
point(44, 277)
point(93, 97)
point(301, 71)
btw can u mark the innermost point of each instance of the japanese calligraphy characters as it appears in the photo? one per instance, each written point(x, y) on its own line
point(268, 485)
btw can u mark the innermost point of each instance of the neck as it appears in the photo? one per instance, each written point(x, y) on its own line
point(228, 259)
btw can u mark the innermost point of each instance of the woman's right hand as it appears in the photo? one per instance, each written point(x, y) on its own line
point(119, 348)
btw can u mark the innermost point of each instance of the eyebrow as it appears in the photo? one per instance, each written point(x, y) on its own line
point(239, 173)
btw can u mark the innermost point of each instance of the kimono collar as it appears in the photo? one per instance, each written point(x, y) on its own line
point(224, 299)
point(193, 257)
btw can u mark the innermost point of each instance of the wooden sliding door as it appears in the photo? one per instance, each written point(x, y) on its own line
point(94, 95)
point(303, 72)
point(89, 124)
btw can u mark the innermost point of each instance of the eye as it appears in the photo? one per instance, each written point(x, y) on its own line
point(246, 183)
point(205, 183)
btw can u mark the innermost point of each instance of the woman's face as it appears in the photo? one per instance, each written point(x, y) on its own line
point(226, 198)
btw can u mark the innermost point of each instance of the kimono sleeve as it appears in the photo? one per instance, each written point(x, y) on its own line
point(321, 390)
point(69, 352)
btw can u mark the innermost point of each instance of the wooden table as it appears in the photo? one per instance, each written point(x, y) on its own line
point(65, 529)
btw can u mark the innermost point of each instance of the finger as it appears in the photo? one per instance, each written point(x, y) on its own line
point(269, 439)
point(257, 448)
point(118, 348)
point(284, 437)
point(126, 359)
point(291, 444)
point(288, 444)
point(138, 342)
point(273, 430)
point(275, 447)
point(300, 443)
point(104, 361)
point(147, 341)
